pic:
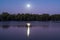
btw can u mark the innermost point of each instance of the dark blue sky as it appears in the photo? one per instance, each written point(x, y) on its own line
point(37, 6)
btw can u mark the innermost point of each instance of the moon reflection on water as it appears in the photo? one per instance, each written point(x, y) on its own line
point(28, 29)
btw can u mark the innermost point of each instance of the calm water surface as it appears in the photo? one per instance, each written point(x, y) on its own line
point(38, 31)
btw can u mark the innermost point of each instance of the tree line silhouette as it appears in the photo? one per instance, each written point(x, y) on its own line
point(5, 16)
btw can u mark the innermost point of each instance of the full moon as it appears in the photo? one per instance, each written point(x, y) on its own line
point(28, 5)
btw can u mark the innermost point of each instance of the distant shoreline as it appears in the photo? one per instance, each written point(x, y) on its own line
point(5, 16)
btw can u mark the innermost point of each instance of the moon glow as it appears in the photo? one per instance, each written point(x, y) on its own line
point(28, 5)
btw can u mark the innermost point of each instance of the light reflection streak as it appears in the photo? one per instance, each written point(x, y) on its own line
point(28, 29)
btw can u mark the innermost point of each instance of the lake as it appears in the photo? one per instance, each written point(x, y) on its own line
point(17, 30)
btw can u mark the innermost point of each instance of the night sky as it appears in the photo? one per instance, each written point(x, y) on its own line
point(37, 6)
